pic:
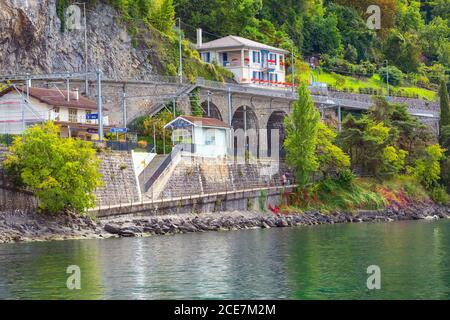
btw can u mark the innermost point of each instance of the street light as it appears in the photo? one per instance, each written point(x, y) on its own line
point(180, 52)
point(293, 68)
point(387, 77)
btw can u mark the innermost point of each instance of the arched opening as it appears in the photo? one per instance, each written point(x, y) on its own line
point(246, 129)
point(214, 111)
point(275, 127)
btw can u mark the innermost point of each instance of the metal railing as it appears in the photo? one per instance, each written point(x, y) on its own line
point(264, 91)
point(162, 167)
point(126, 146)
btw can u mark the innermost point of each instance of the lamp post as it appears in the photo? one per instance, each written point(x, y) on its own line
point(180, 52)
point(293, 68)
point(387, 77)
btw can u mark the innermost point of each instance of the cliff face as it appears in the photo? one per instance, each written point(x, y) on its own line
point(31, 41)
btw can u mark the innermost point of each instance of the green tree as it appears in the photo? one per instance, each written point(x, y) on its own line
point(395, 75)
point(365, 141)
point(154, 126)
point(63, 173)
point(331, 158)
point(403, 50)
point(302, 126)
point(393, 161)
point(195, 104)
point(444, 103)
point(435, 41)
point(161, 15)
point(427, 169)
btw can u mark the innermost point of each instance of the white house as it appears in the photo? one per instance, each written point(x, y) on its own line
point(20, 108)
point(251, 62)
point(205, 137)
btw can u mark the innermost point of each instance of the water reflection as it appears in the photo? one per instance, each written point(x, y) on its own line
point(325, 262)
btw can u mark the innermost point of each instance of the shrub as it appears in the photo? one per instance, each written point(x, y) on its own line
point(395, 75)
point(142, 144)
point(345, 178)
point(62, 172)
point(440, 195)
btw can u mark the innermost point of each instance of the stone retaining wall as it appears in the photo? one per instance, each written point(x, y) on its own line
point(120, 181)
point(193, 176)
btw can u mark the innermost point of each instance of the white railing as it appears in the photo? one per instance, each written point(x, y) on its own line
point(265, 91)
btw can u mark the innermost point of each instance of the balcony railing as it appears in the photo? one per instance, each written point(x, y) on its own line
point(265, 91)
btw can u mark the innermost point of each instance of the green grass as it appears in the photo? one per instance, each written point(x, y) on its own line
point(361, 84)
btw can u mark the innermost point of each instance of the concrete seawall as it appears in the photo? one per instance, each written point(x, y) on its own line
point(242, 200)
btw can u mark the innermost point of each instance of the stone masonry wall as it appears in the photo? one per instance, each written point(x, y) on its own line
point(203, 176)
point(120, 182)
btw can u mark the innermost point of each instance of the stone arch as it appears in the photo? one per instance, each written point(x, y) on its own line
point(213, 109)
point(275, 126)
point(246, 132)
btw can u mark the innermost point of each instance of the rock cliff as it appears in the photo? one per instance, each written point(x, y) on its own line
point(31, 41)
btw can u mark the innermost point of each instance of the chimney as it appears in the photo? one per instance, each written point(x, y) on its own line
point(199, 37)
point(76, 94)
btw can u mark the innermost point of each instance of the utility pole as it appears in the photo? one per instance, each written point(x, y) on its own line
point(293, 68)
point(99, 105)
point(86, 83)
point(387, 77)
point(154, 138)
point(230, 119)
point(180, 52)
point(124, 110)
point(68, 87)
point(339, 118)
point(174, 106)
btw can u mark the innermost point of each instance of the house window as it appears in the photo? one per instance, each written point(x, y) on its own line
point(73, 117)
point(256, 57)
point(206, 57)
point(210, 140)
point(255, 75)
point(56, 113)
point(182, 136)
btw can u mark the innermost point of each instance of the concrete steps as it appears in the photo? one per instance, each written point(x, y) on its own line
point(151, 169)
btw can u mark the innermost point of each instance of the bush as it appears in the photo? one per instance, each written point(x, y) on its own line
point(62, 172)
point(395, 75)
point(142, 144)
point(345, 178)
point(440, 195)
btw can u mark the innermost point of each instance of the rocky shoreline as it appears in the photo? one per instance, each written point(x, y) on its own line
point(20, 227)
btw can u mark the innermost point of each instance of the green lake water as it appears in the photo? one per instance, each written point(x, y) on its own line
point(322, 262)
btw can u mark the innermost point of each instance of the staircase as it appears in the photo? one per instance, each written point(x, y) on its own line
point(157, 107)
point(150, 170)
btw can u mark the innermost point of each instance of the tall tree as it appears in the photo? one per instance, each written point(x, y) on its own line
point(301, 137)
point(445, 108)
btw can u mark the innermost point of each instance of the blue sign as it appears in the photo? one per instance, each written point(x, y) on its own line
point(118, 130)
point(92, 116)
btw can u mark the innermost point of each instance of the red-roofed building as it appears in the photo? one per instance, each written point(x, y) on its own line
point(69, 110)
point(207, 137)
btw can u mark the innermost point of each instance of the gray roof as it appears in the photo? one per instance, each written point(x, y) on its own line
point(231, 42)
